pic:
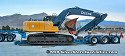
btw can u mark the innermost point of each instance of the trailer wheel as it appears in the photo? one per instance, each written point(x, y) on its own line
point(105, 40)
point(10, 38)
point(94, 40)
point(115, 40)
point(2, 38)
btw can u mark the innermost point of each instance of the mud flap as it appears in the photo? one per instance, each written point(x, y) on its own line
point(21, 43)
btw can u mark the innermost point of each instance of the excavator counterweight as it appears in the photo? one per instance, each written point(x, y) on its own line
point(39, 26)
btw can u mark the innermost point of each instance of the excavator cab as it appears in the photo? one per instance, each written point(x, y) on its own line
point(48, 18)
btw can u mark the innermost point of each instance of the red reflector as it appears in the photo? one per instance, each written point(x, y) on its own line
point(121, 35)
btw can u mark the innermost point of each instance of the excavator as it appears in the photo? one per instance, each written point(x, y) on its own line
point(47, 31)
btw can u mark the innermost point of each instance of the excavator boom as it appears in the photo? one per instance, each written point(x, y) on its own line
point(99, 17)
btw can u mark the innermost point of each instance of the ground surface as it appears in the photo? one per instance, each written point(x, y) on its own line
point(9, 49)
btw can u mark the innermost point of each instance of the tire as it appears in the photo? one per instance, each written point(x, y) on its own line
point(93, 40)
point(105, 40)
point(10, 38)
point(2, 38)
point(115, 40)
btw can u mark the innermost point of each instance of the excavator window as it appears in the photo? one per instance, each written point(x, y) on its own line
point(48, 18)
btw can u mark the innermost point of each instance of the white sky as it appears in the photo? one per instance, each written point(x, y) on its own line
point(114, 8)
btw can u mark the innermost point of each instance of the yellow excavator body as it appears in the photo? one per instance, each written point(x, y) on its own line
point(39, 26)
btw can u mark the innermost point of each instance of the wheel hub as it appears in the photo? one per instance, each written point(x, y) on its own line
point(10, 38)
point(105, 40)
point(94, 40)
point(115, 39)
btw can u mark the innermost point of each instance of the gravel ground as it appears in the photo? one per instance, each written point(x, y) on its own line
point(9, 49)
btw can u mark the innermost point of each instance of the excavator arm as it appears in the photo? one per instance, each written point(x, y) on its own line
point(92, 23)
point(71, 25)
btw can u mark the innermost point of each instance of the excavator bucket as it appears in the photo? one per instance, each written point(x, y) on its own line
point(71, 26)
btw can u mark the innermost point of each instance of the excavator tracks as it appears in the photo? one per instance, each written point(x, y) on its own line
point(49, 38)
